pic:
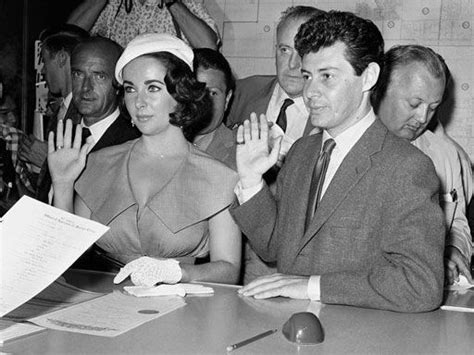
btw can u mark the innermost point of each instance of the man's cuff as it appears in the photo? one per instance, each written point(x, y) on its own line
point(314, 288)
point(243, 195)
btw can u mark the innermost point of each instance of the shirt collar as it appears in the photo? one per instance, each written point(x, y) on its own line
point(347, 139)
point(99, 128)
point(281, 95)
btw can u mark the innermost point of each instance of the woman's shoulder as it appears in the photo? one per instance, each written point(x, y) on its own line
point(110, 154)
point(204, 164)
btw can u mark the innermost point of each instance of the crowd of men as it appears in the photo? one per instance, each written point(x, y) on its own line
point(344, 195)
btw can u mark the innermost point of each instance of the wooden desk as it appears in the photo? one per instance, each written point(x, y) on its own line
point(207, 325)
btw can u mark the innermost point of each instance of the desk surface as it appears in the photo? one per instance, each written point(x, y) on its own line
point(207, 325)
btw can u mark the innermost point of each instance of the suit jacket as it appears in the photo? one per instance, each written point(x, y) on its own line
point(253, 94)
point(222, 146)
point(377, 237)
point(118, 132)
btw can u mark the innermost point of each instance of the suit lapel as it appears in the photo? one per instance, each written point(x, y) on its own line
point(260, 103)
point(352, 169)
point(120, 131)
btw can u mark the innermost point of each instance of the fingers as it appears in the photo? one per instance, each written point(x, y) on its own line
point(77, 137)
point(463, 268)
point(60, 134)
point(259, 284)
point(240, 135)
point(124, 272)
point(275, 152)
point(67, 140)
point(51, 142)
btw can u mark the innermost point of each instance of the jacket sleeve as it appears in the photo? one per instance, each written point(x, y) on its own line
point(406, 275)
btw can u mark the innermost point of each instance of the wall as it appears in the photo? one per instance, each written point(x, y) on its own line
point(247, 29)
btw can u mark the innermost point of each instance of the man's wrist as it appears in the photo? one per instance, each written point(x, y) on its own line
point(250, 181)
point(314, 288)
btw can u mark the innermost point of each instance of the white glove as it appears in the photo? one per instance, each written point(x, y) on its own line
point(146, 271)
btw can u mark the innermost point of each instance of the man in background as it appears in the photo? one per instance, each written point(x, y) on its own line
point(410, 90)
point(280, 98)
point(95, 95)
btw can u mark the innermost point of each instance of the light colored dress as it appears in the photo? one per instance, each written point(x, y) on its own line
point(115, 23)
point(174, 223)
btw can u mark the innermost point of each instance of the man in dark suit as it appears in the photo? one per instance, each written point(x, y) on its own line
point(358, 221)
point(269, 94)
point(95, 95)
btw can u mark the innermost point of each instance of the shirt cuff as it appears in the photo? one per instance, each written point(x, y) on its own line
point(243, 195)
point(314, 288)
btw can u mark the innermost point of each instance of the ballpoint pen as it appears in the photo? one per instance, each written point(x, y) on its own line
point(250, 340)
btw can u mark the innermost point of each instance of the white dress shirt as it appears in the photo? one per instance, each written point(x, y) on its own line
point(345, 141)
point(98, 129)
point(296, 117)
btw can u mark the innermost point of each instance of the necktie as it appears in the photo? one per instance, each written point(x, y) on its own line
point(317, 181)
point(86, 132)
point(281, 120)
point(62, 111)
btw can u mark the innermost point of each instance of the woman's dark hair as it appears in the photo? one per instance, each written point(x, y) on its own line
point(363, 40)
point(194, 109)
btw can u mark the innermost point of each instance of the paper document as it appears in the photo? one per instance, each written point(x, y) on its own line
point(180, 289)
point(38, 243)
point(10, 330)
point(110, 315)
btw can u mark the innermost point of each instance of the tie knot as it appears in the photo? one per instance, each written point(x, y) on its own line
point(286, 103)
point(328, 146)
point(86, 132)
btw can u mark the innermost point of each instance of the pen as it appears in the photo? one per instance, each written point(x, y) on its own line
point(251, 340)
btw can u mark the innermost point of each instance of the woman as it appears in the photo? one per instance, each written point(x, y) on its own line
point(162, 197)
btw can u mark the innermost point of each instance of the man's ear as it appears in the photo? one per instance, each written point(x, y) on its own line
point(370, 76)
point(227, 99)
point(62, 58)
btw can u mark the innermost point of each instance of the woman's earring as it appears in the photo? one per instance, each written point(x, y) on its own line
point(133, 123)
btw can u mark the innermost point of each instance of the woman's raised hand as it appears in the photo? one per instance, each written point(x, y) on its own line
point(66, 158)
point(254, 156)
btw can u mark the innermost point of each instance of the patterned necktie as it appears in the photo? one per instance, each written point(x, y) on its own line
point(281, 120)
point(317, 181)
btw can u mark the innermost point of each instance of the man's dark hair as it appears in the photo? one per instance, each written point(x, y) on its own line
point(297, 13)
point(109, 46)
point(363, 40)
point(207, 58)
point(401, 55)
point(62, 37)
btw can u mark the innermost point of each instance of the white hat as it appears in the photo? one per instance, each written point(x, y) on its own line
point(151, 43)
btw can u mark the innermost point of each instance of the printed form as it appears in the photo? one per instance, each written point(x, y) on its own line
point(38, 243)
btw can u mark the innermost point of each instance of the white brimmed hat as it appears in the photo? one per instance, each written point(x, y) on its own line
point(151, 43)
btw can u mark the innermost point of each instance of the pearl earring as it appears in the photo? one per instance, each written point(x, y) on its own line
point(133, 123)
